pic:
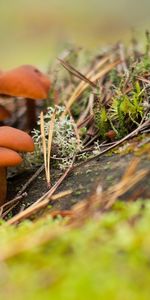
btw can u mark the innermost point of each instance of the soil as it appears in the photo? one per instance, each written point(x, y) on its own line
point(107, 171)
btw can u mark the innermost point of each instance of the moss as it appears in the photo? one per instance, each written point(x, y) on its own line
point(80, 263)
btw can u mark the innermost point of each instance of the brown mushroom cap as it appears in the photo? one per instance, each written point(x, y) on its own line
point(25, 81)
point(111, 134)
point(15, 139)
point(9, 157)
point(4, 113)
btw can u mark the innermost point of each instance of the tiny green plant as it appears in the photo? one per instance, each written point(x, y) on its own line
point(125, 109)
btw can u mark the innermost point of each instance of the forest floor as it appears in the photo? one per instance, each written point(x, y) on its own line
point(83, 180)
point(77, 225)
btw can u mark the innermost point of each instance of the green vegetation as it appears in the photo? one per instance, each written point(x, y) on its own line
point(105, 259)
point(129, 98)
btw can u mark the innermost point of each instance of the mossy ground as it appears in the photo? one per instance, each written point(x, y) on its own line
point(107, 258)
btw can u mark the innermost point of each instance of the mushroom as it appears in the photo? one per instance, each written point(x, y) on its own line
point(8, 158)
point(26, 82)
point(11, 140)
point(15, 139)
point(111, 134)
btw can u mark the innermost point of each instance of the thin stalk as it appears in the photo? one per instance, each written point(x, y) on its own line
point(30, 113)
point(43, 143)
point(50, 137)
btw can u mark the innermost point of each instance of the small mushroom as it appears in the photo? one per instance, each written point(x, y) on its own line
point(11, 140)
point(15, 139)
point(26, 82)
point(8, 158)
point(111, 134)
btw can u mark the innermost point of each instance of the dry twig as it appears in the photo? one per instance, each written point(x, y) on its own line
point(41, 202)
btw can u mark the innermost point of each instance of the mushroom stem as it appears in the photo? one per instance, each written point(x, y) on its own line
point(31, 113)
point(3, 185)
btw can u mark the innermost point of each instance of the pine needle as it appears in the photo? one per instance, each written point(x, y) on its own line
point(61, 195)
point(76, 73)
point(47, 148)
point(124, 185)
point(43, 143)
point(82, 87)
point(50, 137)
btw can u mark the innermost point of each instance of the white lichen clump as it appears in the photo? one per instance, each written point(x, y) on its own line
point(64, 143)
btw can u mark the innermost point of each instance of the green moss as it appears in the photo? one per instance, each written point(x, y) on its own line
point(107, 258)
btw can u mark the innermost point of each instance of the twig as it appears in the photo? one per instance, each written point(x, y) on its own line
point(143, 79)
point(41, 202)
point(86, 121)
point(123, 186)
point(130, 135)
point(61, 195)
point(12, 202)
point(91, 140)
point(20, 195)
point(86, 111)
point(57, 184)
point(30, 180)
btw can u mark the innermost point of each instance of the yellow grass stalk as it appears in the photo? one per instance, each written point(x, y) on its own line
point(50, 137)
point(43, 143)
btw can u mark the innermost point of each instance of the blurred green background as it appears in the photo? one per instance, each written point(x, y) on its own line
point(36, 31)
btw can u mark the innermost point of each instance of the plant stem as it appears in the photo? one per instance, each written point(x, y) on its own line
point(3, 185)
point(31, 113)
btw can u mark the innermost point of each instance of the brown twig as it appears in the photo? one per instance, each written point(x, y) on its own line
point(41, 202)
point(87, 111)
point(12, 203)
point(130, 135)
point(21, 194)
point(61, 195)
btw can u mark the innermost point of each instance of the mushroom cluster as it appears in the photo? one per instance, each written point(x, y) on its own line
point(25, 82)
point(12, 141)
